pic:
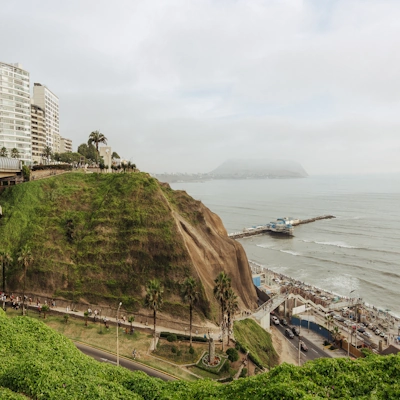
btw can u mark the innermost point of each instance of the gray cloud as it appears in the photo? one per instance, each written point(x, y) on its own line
point(182, 86)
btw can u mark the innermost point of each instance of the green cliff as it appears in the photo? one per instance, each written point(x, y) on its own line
point(101, 237)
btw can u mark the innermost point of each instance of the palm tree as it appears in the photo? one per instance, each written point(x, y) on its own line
point(47, 153)
point(154, 300)
point(5, 261)
point(231, 307)
point(329, 320)
point(222, 285)
point(190, 295)
point(14, 153)
point(3, 152)
point(45, 309)
point(130, 320)
point(336, 333)
point(26, 259)
point(95, 138)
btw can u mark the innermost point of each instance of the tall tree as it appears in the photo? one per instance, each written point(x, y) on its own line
point(190, 295)
point(154, 300)
point(329, 321)
point(95, 138)
point(14, 153)
point(88, 151)
point(231, 307)
point(3, 152)
point(47, 153)
point(222, 285)
point(25, 259)
point(5, 261)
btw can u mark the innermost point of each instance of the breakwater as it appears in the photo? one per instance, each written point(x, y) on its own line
point(307, 221)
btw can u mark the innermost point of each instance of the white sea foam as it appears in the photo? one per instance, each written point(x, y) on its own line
point(336, 244)
point(265, 246)
point(293, 253)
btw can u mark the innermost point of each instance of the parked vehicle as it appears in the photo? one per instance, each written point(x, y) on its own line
point(366, 334)
point(303, 346)
point(361, 329)
point(275, 320)
point(377, 332)
point(296, 330)
point(289, 333)
point(283, 322)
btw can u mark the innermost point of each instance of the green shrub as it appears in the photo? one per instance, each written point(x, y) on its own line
point(172, 337)
point(232, 354)
point(179, 353)
point(191, 350)
point(243, 374)
point(174, 349)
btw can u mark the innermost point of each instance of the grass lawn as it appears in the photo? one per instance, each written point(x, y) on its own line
point(257, 340)
point(95, 334)
point(181, 354)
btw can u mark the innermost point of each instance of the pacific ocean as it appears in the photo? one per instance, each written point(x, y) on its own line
point(358, 252)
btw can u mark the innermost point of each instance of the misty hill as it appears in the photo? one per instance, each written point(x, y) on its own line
point(259, 168)
point(99, 238)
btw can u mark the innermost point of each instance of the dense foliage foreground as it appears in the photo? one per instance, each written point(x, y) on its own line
point(39, 363)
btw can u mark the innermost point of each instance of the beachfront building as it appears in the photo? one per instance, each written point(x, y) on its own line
point(38, 128)
point(66, 145)
point(48, 101)
point(15, 111)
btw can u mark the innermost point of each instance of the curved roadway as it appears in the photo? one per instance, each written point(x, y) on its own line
point(103, 356)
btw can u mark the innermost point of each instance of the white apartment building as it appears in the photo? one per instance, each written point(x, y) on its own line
point(66, 145)
point(38, 129)
point(48, 101)
point(15, 111)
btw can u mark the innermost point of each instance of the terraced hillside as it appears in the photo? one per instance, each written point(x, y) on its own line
point(101, 237)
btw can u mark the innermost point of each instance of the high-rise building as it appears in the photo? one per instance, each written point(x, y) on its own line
point(48, 101)
point(15, 111)
point(66, 145)
point(38, 128)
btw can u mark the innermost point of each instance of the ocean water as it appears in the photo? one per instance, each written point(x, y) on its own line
point(358, 251)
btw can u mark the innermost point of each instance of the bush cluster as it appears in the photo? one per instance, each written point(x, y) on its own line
point(183, 337)
point(66, 167)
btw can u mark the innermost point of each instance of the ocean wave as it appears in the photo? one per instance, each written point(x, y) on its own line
point(346, 246)
point(336, 244)
point(293, 253)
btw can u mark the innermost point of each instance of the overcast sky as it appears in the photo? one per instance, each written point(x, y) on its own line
point(185, 85)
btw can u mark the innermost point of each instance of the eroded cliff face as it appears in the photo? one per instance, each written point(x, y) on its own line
point(212, 251)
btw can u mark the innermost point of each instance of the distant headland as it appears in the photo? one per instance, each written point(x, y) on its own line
point(242, 169)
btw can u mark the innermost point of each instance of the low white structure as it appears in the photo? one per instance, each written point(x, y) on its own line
point(105, 152)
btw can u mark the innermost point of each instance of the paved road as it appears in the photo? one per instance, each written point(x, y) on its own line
point(103, 356)
point(314, 351)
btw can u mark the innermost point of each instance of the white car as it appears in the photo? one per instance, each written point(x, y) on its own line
point(275, 319)
point(367, 334)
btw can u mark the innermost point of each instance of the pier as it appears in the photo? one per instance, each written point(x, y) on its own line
point(282, 226)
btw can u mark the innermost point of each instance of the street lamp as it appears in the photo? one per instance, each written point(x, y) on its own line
point(299, 350)
point(120, 304)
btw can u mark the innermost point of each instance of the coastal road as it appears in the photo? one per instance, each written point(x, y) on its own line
point(110, 358)
point(314, 351)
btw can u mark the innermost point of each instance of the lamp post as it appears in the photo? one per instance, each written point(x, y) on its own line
point(348, 343)
point(120, 304)
point(299, 350)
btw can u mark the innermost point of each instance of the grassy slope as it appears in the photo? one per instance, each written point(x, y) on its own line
point(43, 364)
point(94, 236)
point(257, 341)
